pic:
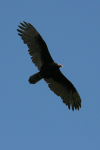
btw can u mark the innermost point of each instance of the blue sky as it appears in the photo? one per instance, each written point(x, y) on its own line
point(32, 116)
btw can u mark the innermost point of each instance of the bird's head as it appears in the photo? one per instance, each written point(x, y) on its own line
point(60, 65)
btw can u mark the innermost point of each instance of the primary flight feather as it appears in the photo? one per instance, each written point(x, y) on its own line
point(48, 69)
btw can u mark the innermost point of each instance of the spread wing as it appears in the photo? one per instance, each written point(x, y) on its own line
point(37, 46)
point(62, 87)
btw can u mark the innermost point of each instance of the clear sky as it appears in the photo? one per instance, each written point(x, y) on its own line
point(31, 116)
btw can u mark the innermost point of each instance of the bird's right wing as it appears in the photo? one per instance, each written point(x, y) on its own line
point(62, 87)
point(37, 46)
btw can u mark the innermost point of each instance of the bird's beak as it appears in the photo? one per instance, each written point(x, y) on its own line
point(60, 65)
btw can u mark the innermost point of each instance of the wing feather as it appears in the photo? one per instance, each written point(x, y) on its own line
point(37, 46)
point(62, 87)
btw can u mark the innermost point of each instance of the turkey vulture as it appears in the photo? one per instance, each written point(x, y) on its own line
point(48, 69)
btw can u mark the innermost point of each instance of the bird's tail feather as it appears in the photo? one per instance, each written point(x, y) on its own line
point(35, 78)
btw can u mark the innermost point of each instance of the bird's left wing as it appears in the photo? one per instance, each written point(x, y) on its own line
point(62, 87)
point(37, 46)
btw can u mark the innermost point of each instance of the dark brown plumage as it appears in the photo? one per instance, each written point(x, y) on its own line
point(48, 69)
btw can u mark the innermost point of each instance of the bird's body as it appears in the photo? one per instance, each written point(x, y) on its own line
point(45, 72)
point(48, 69)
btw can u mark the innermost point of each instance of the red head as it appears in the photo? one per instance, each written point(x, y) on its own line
point(60, 65)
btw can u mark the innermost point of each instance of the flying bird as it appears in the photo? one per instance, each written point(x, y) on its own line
point(48, 69)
